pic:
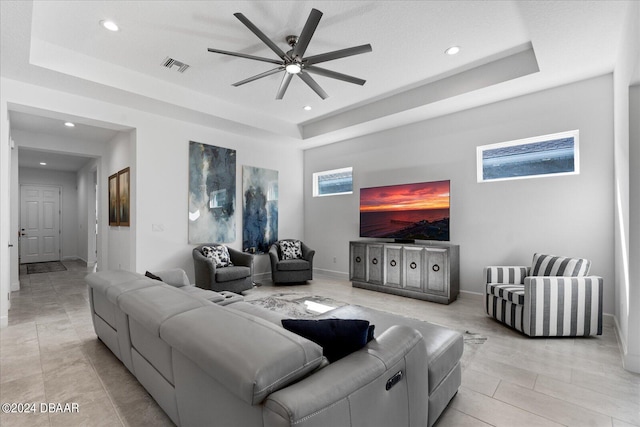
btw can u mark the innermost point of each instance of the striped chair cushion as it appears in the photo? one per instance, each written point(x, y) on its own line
point(509, 292)
point(551, 265)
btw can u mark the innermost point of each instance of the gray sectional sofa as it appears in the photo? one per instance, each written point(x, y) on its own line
point(209, 358)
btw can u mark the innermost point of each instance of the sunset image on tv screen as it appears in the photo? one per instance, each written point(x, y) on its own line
point(417, 211)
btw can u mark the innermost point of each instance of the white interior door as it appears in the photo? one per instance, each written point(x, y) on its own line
point(39, 224)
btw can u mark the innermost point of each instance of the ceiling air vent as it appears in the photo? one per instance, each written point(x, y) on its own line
point(170, 63)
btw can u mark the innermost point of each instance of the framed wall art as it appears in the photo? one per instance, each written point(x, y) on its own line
point(124, 205)
point(540, 156)
point(113, 200)
point(259, 209)
point(212, 194)
point(119, 200)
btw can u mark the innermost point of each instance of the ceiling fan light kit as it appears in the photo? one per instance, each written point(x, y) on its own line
point(293, 62)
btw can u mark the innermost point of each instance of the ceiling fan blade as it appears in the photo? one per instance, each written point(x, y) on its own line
point(313, 85)
point(334, 75)
point(244, 55)
point(284, 85)
point(259, 76)
point(336, 54)
point(307, 32)
point(266, 40)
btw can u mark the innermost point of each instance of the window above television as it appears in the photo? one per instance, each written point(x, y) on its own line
point(333, 182)
point(541, 156)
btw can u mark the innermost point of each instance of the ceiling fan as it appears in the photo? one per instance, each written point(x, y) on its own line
point(293, 62)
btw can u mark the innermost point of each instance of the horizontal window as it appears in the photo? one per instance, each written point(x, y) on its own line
point(333, 182)
point(547, 155)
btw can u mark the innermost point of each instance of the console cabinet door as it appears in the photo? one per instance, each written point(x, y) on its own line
point(412, 266)
point(374, 263)
point(437, 268)
point(392, 265)
point(358, 262)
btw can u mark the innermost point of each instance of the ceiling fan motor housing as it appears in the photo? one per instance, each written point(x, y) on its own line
point(292, 40)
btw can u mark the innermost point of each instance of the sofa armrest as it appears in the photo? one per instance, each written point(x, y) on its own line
point(563, 306)
point(307, 253)
point(174, 277)
point(514, 274)
point(241, 258)
point(273, 256)
point(355, 386)
point(205, 270)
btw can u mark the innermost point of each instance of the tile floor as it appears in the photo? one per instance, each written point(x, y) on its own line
point(50, 354)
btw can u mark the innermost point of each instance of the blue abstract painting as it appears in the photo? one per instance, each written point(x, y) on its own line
point(212, 194)
point(260, 209)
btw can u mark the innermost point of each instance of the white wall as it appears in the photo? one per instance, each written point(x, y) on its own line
point(15, 222)
point(68, 204)
point(121, 248)
point(5, 213)
point(87, 212)
point(158, 158)
point(499, 223)
point(627, 298)
point(162, 189)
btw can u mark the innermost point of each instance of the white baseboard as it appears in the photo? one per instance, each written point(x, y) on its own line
point(470, 292)
point(4, 321)
point(257, 277)
point(630, 362)
point(331, 273)
point(15, 286)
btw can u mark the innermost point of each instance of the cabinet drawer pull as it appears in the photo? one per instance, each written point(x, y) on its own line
point(358, 259)
point(374, 261)
point(413, 265)
point(393, 263)
point(435, 267)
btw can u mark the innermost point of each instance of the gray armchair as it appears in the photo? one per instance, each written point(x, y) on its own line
point(291, 270)
point(235, 278)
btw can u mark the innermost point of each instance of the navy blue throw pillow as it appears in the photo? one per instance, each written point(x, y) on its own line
point(337, 337)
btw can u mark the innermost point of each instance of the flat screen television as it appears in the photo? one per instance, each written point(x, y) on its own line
point(406, 212)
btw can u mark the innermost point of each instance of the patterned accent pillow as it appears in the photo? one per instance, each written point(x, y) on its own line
point(291, 249)
point(551, 265)
point(218, 254)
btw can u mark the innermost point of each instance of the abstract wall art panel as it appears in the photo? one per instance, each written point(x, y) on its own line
point(541, 156)
point(260, 209)
point(212, 194)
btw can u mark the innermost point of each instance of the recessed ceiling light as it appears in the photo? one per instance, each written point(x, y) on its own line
point(69, 124)
point(43, 163)
point(307, 108)
point(109, 25)
point(452, 50)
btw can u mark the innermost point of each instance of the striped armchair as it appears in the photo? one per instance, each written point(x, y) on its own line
point(553, 297)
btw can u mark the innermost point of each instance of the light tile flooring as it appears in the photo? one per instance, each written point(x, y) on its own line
point(50, 354)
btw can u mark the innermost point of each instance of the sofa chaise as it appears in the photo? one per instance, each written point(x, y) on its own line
point(209, 358)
